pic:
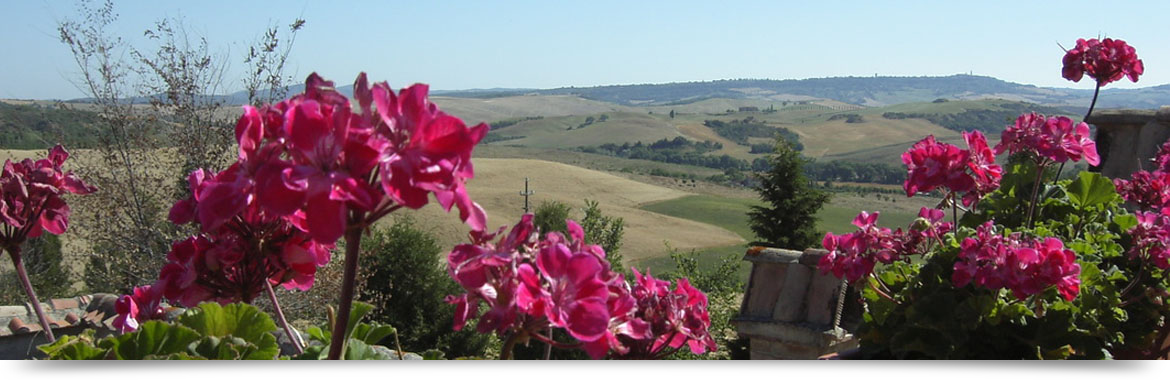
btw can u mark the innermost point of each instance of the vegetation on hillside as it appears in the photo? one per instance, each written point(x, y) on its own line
point(679, 150)
point(990, 121)
point(740, 130)
point(32, 126)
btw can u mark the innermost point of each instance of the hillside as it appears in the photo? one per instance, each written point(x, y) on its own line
point(867, 91)
point(38, 126)
point(498, 182)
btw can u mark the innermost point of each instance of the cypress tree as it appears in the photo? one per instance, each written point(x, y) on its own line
point(788, 220)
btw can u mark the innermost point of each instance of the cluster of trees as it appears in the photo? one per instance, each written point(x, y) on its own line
point(740, 130)
point(848, 117)
point(590, 120)
point(32, 126)
point(510, 122)
point(983, 120)
point(678, 150)
point(850, 171)
point(495, 137)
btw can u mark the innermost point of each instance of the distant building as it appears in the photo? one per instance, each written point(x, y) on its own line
point(749, 109)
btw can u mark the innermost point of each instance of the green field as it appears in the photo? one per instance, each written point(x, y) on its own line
point(572, 131)
point(731, 213)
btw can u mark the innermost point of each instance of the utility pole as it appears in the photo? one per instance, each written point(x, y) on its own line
point(526, 193)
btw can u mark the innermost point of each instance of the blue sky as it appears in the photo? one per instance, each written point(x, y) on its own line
point(546, 44)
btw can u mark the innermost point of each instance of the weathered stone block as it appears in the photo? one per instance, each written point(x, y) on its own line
point(822, 299)
point(13, 311)
point(764, 289)
point(790, 306)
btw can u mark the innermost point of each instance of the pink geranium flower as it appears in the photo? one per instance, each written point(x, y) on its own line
point(30, 196)
point(932, 165)
point(1049, 140)
point(530, 284)
point(853, 256)
point(1105, 61)
point(142, 304)
point(429, 151)
point(1024, 266)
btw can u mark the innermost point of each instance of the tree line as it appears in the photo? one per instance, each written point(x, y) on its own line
point(740, 130)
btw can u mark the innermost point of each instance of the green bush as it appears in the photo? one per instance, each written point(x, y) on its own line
point(550, 217)
point(406, 283)
point(46, 271)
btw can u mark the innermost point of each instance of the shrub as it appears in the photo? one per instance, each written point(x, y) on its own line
point(406, 283)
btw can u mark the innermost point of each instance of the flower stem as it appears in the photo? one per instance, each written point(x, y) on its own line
point(1035, 193)
point(293, 337)
point(353, 240)
point(1093, 103)
point(14, 253)
point(509, 344)
point(548, 345)
point(954, 210)
point(882, 293)
point(549, 342)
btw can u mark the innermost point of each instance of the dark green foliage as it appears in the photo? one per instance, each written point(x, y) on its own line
point(983, 120)
point(606, 231)
point(788, 220)
point(848, 117)
point(1109, 318)
point(724, 289)
point(494, 137)
point(550, 217)
point(40, 127)
point(510, 122)
point(678, 150)
point(210, 331)
point(850, 171)
point(740, 130)
point(360, 337)
point(406, 284)
point(46, 270)
point(761, 148)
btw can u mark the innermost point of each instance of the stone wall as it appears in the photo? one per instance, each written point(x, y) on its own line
point(1128, 139)
point(790, 310)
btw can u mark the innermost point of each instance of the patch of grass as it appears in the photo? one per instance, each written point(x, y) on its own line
point(729, 213)
point(708, 258)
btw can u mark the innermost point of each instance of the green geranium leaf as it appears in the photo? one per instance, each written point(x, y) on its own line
point(152, 340)
point(317, 352)
point(434, 354)
point(1091, 190)
point(1125, 222)
point(358, 350)
point(74, 347)
point(237, 320)
point(372, 334)
point(319, 334)
point(357, 312)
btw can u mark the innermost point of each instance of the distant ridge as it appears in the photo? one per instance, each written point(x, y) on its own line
point(865, 91)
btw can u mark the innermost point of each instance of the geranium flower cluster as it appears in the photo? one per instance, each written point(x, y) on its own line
point(676, 317)
point(1149, 190)
point(854, 255)
point(309, 169)
point(1151, 238)
point(1105, 61)
point(1049, 140)
point(530, 284)
point(931, 164)
point(143, 304)
point(1024, 266)
point(30, 197)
